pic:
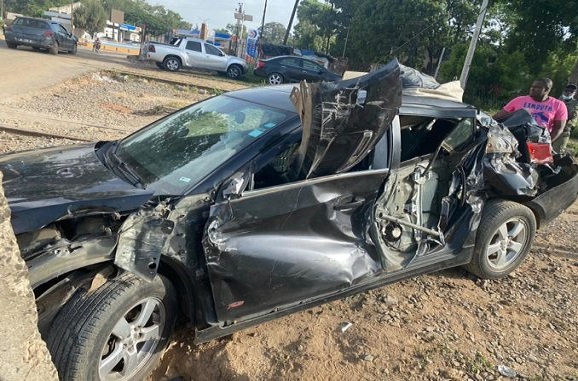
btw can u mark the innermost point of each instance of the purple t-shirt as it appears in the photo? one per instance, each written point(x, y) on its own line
point(545, 113)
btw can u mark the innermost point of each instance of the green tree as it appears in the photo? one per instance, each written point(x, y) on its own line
point(91, 16)
point(317, 27)
point(273, 32)
point(33, 8)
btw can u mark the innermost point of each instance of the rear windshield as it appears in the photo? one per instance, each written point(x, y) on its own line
point(31, 23)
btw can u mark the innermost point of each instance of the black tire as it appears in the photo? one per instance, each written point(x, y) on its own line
point(54, 48)
point(11, 45)
point(74, 49)
point(503, 240)
point(275, 79)
point(172, 63)
point(160, 65)
point(234, 71)
point(83, 342)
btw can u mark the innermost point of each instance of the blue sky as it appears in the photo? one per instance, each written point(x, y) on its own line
point(218, 13)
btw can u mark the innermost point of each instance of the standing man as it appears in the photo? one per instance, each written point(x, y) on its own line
point(569, 98)
point(549, 112)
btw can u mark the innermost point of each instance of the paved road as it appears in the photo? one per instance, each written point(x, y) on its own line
point(24, 70)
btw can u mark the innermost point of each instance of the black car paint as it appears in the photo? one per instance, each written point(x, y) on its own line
point(53, 183)
point(293, 73)
point(33, 36)
point(223, 247)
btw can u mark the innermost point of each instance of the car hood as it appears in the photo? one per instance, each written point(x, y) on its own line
point(46, 185)
point(343, 121)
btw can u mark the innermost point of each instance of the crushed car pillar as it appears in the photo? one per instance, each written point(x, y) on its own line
point(23, 354)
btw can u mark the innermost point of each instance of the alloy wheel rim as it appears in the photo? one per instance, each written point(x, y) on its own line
point(507, 243)
point(274, 80)
point(133, 340)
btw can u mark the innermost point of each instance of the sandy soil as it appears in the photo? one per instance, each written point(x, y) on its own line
point(444, 326)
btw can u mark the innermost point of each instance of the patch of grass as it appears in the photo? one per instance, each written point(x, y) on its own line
point(479, 364)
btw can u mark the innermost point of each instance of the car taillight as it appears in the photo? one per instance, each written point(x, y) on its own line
point(540, 153)
point(260, 64)
point(48, 33)
point(152, 49)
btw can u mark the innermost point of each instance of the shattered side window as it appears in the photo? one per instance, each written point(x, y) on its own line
point(421, 135)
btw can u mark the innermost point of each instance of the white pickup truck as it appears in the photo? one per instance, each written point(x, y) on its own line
point(195, 54)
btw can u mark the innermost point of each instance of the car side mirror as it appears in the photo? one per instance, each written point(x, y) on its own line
point(234, 189)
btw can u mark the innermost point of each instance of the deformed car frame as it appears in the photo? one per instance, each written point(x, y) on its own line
point(332, 189)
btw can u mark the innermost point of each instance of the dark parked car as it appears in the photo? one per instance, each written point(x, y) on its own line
point(40, 34)
point(285, 69)
point(266, 201)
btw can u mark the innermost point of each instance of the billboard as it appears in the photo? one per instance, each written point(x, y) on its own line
point(252, 39)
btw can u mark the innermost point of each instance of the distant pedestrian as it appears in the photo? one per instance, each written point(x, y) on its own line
point(548, 112)
point(569, 98)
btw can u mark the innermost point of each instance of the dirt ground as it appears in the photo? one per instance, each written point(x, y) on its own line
point(444, 326)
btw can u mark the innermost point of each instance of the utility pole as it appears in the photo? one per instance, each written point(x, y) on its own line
point(261, 35)
point(290, 22)
point(473, 42)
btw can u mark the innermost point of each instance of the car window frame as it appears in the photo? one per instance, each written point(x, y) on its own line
point(317, 68)
point(191, 44)
point(215, 51)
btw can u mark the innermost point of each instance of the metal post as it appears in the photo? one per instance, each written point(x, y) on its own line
point(263, 21)
point(440, 62)
point(345, 44)
point(290, 22)
point(472, 48)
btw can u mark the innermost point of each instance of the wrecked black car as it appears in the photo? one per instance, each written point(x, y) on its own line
point(261, 202)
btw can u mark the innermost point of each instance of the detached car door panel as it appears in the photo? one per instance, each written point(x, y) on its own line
point(279, 246)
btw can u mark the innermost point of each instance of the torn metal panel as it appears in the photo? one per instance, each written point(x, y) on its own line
point(270, 248)
point(339, 127)
point(142, 239)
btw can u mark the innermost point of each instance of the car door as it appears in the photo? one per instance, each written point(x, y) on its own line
point(63, 36)
point(308, 234)
point(312, 71)
point(290, 68)
point(277, 246)
point(215, 59)
point(193, 54)
point(422, 215)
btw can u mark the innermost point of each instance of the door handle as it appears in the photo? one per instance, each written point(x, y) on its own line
point(354, 203)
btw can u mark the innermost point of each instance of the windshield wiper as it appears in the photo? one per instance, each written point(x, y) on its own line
point(128, 173)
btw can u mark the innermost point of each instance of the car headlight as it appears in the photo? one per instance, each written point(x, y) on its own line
point(501, 140)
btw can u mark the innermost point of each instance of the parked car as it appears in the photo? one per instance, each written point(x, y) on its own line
point(285, 69)
point(266, 201)
point(194, 53)
point(40, 34)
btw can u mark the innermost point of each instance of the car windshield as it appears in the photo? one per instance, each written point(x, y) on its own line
point(180, 150)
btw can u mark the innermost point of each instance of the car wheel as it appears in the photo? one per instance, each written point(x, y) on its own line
point(11, 45)
point(172, 63)
point(234, 71)
point(160, 65)
point(275, 79)
point(115, 332)
point(504, 238)
point(54, 48)
point(74, 49)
